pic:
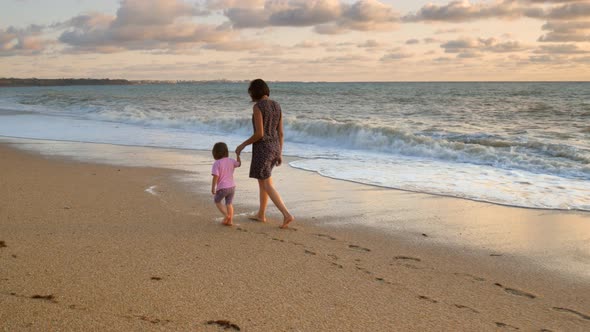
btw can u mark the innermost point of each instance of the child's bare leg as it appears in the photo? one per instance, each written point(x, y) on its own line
point(230, 215)
point(223, 211)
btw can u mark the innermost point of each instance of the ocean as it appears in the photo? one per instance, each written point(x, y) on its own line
point(518, 144)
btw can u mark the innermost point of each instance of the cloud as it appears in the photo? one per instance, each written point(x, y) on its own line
point(469, 55)
point(463, 10)
point(412, 41)
point(444, 31)
point(568, 31)
point(576, 10)
point(470, 45)
point(396, 54)
point(234, 46)
point(560, 49)
point(548, 59)
point(223, 4)
point(583, 60)
point(340, 59)
point(567, 19)
point(27, 41)
point(326, 16)
point(153, 12)
point(141, 25)
point(443, 59)
point(371, 43)
point(307, 44)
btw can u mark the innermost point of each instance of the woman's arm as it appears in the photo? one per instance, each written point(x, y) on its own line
point(258, 132)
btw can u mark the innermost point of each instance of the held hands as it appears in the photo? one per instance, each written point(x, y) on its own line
point(239, 149)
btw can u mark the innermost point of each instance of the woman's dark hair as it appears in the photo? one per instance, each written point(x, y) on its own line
point(258, 89)
point(220, 150)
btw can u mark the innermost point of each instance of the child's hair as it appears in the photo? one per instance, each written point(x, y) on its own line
point(220, 150)
point(258, 89)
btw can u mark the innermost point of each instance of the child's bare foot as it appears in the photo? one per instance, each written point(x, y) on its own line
point(227, 221)
point(289, 219)
point(257, 218)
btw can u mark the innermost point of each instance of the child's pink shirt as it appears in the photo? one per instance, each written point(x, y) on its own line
point(224, 169)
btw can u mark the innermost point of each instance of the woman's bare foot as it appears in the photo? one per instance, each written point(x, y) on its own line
point(289, 219)
point(257, 218)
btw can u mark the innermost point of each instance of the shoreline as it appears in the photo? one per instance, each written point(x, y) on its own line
point(291, 158)
point(110, 253)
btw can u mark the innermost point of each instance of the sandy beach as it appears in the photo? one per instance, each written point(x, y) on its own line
point(85, 246)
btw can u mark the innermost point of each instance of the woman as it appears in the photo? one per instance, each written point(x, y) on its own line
point(267, 148)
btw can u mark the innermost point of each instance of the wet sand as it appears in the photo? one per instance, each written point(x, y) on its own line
point(85, 246)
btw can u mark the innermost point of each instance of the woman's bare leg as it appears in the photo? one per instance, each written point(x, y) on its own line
point(261, 216)
point(278, 201)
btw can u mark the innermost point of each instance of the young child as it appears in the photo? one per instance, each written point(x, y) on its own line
point(223, 185)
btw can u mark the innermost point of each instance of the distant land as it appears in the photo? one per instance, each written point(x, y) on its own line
point(25, 82)
point(16, 82)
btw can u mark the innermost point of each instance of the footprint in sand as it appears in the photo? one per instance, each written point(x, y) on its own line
point(408, 265)
point(426, 298)
point(469, 276)
point(516, 292)
point(337, 265)
point(573, 312)
point(77, 307)
point(326, 236)
point(408, 258)
point(49, 298)
point(520, 293)
point(226, 324)
point(354, 246)
point(360, 268)
point(152, 320)
point(3, 244)
point(383, 281)
point(506, 326)
point(460, 306)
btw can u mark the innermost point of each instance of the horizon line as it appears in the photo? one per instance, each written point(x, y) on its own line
point(224, 80)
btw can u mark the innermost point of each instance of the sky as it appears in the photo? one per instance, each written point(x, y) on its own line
point(297, 40)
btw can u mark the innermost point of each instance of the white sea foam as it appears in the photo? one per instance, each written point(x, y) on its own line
point(152, 190)
point(482, 183)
